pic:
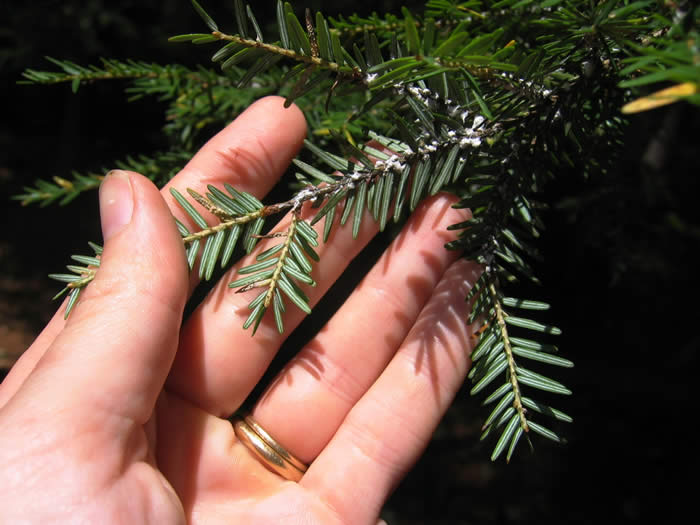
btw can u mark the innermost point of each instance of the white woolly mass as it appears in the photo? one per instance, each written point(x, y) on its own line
point(432, 147)
point(425, 96)
point(356, 175)
point(303, 196)
point(465, 137)
point(473, 142)
point(420, 92)
point(394, 163)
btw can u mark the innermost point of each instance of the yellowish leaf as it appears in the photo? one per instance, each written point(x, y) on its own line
point(661, 98)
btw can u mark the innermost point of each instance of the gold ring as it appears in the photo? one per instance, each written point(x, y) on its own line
point(273, 455)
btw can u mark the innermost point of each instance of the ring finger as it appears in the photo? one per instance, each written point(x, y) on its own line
point(390, 426)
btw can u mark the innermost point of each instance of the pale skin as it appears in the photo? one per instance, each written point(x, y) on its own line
point(118, 415)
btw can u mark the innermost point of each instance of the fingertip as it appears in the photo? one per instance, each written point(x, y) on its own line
point(143, 259)
point(292, 115)
point(250, 153)
point(116, 203)
point(284, 127)
point(132, 203)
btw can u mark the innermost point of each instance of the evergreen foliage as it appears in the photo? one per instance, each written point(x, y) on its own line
point(489, 100)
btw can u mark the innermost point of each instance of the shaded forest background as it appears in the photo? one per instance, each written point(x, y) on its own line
point(621, 273)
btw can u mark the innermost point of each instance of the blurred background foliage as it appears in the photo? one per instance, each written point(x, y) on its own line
point(620, 269)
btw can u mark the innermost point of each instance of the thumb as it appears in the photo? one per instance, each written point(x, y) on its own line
point(119, 342)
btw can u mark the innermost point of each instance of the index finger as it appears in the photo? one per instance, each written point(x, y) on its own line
point(251, 154)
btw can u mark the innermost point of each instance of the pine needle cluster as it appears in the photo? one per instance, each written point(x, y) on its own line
point(488, 100)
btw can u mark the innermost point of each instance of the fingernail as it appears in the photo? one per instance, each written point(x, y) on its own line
point(116, 203)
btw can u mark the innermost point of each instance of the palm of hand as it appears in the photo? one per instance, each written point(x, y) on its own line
point(95, 469)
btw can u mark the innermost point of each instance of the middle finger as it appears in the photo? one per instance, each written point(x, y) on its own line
point(334, 370)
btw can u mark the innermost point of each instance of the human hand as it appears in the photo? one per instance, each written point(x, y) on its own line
point(119, 414)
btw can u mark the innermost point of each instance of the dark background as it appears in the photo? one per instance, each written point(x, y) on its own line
point(620, 272)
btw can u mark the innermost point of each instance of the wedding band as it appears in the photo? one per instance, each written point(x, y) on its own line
point(273, 455)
